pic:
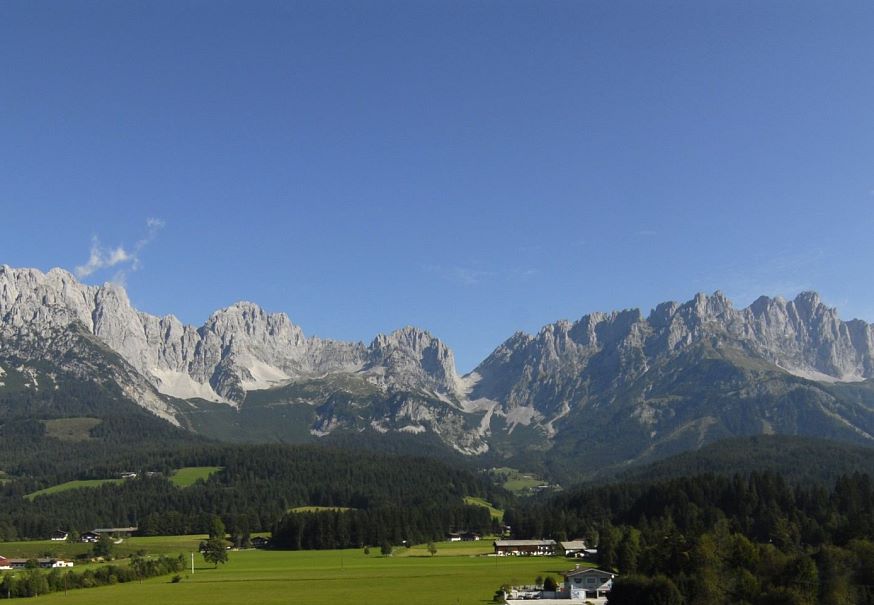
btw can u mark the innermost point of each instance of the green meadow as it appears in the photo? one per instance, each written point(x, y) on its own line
point(157, 545)
point(189, 475)
point(459, 573)
point(182, 477)
point(496, 513)
point(79, 484)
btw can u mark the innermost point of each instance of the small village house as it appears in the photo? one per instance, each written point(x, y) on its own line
point(525, 547)
point(572, 548)
point(587, 583)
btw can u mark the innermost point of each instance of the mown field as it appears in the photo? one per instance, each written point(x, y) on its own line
point(182, 477)
point(189, 475)
point(157, 545)
point(78, 484)
point(458, 574)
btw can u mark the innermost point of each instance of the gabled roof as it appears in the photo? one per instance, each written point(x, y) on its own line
point(588, 570)
point(524, 542)
point(573, 545)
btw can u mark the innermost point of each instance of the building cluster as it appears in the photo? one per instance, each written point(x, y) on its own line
point(570, 548)
point(463, 536)
point(581, 585)
point(42, 562)
point(95, 534)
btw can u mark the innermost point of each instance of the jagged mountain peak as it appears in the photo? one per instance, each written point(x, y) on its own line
point(647, 373)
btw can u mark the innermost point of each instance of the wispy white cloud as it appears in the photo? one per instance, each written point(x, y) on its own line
point(124, 259)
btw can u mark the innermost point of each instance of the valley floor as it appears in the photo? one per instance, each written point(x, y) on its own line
point(459, 573)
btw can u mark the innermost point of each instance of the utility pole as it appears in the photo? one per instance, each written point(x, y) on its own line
point(192, 564)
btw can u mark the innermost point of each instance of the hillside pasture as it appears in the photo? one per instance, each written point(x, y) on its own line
point(189, 475)
point(496, 513)
point(77, 484)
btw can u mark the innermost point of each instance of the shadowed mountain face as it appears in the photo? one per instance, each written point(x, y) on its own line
point(607, 389)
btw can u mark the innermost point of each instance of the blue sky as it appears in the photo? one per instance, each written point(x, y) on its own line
point(473, 168)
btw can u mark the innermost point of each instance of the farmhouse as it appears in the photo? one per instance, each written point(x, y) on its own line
point(524, 547)
point(587, 583)
point(572, 548)
point(581, 585)
point(260, 542)
point(89, 536)
point(59, 535)
point(45, 563)
point(463, 536)
point(4, 563)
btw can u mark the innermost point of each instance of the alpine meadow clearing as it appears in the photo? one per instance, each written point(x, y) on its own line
point(459, 573)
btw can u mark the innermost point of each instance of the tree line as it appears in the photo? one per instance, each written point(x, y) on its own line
point(384, 526)
point(755, 539)
point(255, 489)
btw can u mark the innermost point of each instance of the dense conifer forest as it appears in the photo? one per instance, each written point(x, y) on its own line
point(255, 488)
point(714, 539)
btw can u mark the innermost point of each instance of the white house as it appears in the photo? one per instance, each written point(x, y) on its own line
point(59, 536)
point(583, 583)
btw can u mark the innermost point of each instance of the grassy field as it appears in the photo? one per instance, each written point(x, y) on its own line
point(515, 481)
point(79, 484)
point(158, 545)
point(189, 475)
point(458, 574)
point(496, 513)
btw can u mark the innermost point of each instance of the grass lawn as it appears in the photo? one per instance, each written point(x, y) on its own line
point(189, 475)
point(496, 513)
point(79, 484)
point(515, 481)
point(456, 575)
point(157, 545)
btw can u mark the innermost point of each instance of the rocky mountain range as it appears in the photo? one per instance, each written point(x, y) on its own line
point(608, 388)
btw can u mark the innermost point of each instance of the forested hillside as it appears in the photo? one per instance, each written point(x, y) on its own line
point(722, 540)
point(257, 486)
point(797, 459)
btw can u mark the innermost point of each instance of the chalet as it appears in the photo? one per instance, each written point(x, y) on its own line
point(463, 536)
point(44, 563)
point(524, 547)
point(259, 542)
point(4, 563)
point(572, 548)
point(60, 563)
point(587, 583)
point(128, 475)
point(89, 536)
point(59, 535)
